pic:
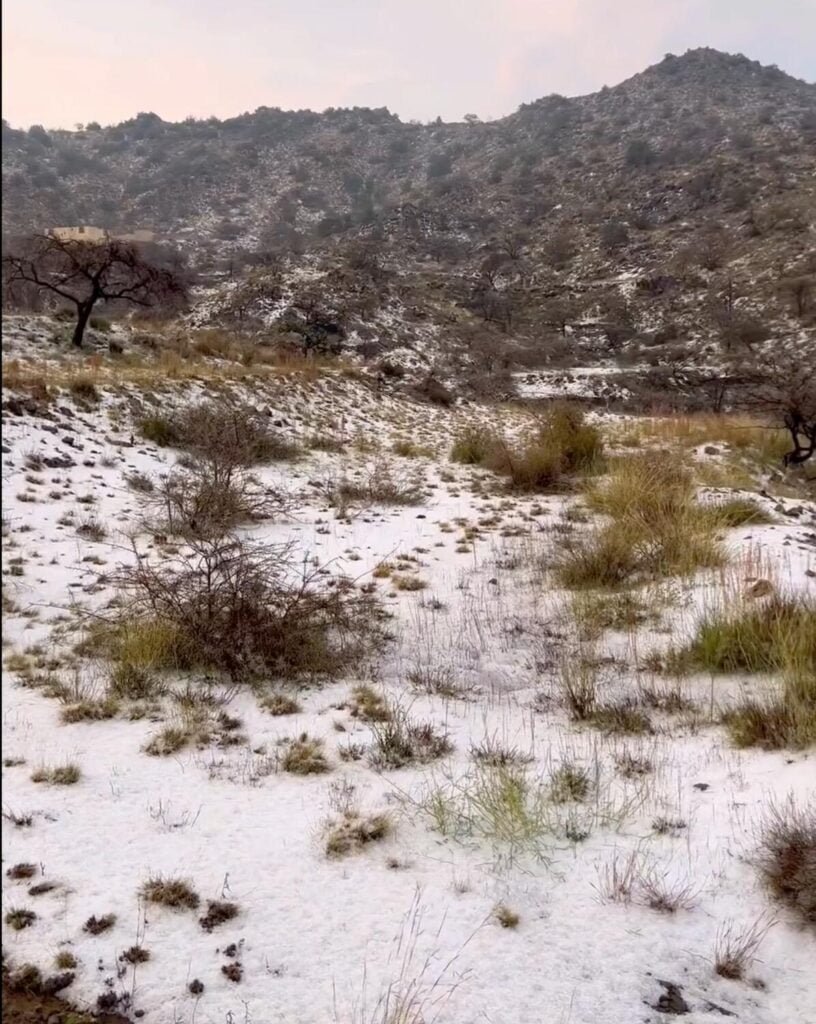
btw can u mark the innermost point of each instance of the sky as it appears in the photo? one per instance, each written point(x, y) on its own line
point(71, 61)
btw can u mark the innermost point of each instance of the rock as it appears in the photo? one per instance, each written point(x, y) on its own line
point(702, 786)
point(68, 440)
point(795, 512)
point(760, 588)
point(711, 450)
point(672, 1000)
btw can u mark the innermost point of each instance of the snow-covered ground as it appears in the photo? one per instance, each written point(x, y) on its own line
point(322, 939)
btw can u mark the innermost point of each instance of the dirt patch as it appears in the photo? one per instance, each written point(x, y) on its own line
point(19, 1008)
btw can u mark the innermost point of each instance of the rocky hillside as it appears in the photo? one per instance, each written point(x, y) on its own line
point(672, 214)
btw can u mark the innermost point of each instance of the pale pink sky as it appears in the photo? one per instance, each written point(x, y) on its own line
point(67, 61)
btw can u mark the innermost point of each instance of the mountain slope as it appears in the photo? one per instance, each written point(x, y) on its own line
point(673, 209)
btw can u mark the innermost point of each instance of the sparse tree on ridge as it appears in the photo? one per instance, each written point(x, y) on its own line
point(86, 273)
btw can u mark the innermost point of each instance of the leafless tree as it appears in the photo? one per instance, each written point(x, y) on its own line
point(86, 273)
point(782, 384)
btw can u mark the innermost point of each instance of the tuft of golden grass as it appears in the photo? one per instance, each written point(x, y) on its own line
point(656, 527)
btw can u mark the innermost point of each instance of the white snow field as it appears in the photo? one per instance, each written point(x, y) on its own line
point(405, 930)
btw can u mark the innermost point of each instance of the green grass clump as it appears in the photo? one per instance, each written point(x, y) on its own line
point(738, 512)
point(563, 445)
point(472, 445)
point(773, 636)
point(776, 637)
point(159, 430)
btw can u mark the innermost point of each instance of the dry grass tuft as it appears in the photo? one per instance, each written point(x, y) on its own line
point(398, 741)
point(506, 917)
point(735, 948)
point(354, 831)
point(96, 925)
point(787, 856)
point(280, 704)
point(304, 756)
point(176, 893)
point(60, 775)
point(218, 912)
point(19, 918)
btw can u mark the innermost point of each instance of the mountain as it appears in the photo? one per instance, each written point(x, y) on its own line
point(674, 210)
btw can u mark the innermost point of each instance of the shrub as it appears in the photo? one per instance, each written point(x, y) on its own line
point(135, 955)
point(176, 893)
point(620, 717)
point(787, 856)
point(230, 436)
point(92, 528)
point(90, 711)
point(563, 445)
point(159, 430)
point(83, 388)
point(247, 610)
point(204, 500)
point(133, 682)
point(380, 486)
point(578, 681)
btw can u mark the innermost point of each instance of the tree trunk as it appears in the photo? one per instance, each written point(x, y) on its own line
point(83, 316)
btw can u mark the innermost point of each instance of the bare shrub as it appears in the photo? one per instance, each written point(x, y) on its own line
point(205, 500)
point(381, 484)
point(247, 610)
point(227, 435)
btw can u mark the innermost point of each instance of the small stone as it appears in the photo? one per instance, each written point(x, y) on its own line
point(760, 588)
point(672, 1000)
point(702, 786)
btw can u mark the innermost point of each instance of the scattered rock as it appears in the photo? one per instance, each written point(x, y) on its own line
point(672, 1000)
point(760, 588)
point(702, 786)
